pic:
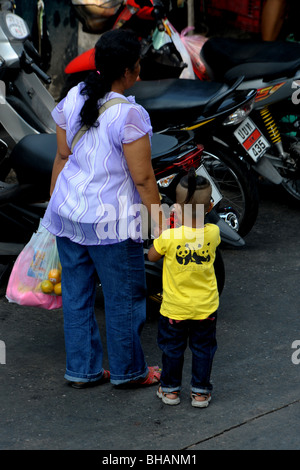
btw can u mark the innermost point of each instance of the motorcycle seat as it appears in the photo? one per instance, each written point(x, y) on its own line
point(32, 159)
point(229, 58)
point(33, 156)
point(177, 99)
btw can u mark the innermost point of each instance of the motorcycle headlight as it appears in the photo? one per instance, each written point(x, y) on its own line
point(16, 26)
point(239, 114)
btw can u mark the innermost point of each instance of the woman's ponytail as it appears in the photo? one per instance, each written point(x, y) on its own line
point(95, 87)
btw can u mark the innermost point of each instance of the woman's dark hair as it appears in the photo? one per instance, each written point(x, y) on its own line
point(192, 182)
point(115, 51)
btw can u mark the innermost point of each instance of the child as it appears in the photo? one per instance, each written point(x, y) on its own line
point(190, 293)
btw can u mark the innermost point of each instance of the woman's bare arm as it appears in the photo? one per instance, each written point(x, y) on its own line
point(138, 157)
point(61, 157)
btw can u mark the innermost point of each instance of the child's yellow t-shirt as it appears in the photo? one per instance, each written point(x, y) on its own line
point(189, 283)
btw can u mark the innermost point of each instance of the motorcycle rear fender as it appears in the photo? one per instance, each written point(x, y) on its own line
point(265, 168)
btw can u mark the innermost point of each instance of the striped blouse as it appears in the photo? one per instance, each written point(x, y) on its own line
point(95, 200)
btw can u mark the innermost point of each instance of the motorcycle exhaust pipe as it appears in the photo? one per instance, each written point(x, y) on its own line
point(228, 234)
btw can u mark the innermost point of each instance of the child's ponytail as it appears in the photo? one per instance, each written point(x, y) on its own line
point(191, 182)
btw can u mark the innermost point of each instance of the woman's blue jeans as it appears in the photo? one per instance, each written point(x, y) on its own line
point(172, 340)
point(121, 271)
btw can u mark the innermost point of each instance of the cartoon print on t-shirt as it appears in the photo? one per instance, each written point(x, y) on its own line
point(183, 254)
point(186, 254)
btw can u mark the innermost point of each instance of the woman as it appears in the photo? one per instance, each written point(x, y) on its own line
point(94, 191)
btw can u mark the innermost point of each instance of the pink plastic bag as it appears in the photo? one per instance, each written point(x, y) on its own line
point(33, 265)
point(193, 45)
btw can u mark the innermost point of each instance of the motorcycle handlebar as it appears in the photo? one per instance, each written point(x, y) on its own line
point(40, 73)
point(30, 66)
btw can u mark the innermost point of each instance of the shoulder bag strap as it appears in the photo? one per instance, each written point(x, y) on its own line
point(103, 108)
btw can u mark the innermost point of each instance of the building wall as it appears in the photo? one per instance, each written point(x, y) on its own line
point(63, 34)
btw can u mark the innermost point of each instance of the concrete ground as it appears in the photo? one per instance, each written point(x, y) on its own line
point(256, 399)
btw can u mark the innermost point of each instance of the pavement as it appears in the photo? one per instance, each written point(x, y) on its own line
point(256, 397)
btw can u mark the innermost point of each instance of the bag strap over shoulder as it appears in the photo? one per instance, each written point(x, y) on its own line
point(102, 109)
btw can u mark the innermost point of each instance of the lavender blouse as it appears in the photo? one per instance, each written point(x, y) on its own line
point(95, 200)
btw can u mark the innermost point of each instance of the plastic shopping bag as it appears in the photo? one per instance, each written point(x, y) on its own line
point(188, 72)
point(193, 45)
point(36, 275)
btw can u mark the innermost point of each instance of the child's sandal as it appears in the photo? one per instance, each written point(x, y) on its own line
point(166, 399)
point(200, 400)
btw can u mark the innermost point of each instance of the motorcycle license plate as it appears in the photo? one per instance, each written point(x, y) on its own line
point(215, 193)
point(251, 139)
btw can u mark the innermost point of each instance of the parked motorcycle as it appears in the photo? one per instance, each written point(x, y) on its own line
point(163, 53)
point(268, 140)
point(209, 109)
point(25, 103)
point(104, 15)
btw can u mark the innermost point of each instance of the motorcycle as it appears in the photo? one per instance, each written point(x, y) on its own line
point(163, 53)
point(25, 102)
point(268, 140)
point(103, 15)
point(209, 109)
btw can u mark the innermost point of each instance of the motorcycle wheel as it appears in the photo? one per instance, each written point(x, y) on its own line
point(288, 120)
point(238, 186)
point(292, 187)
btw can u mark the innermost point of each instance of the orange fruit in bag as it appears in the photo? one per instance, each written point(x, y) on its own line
point(57, 288)
point(54, 276)
point(47, 286)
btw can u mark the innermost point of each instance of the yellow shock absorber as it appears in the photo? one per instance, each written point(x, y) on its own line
point(270, 124)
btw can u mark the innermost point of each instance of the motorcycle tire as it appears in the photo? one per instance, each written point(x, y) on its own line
point(238, 186)
point(292, 188)
point(291, 182)
point(288, 120)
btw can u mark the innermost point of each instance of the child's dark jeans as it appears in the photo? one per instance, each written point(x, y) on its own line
point(172, 340)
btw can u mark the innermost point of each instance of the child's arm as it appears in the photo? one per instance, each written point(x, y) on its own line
point(153, 255)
